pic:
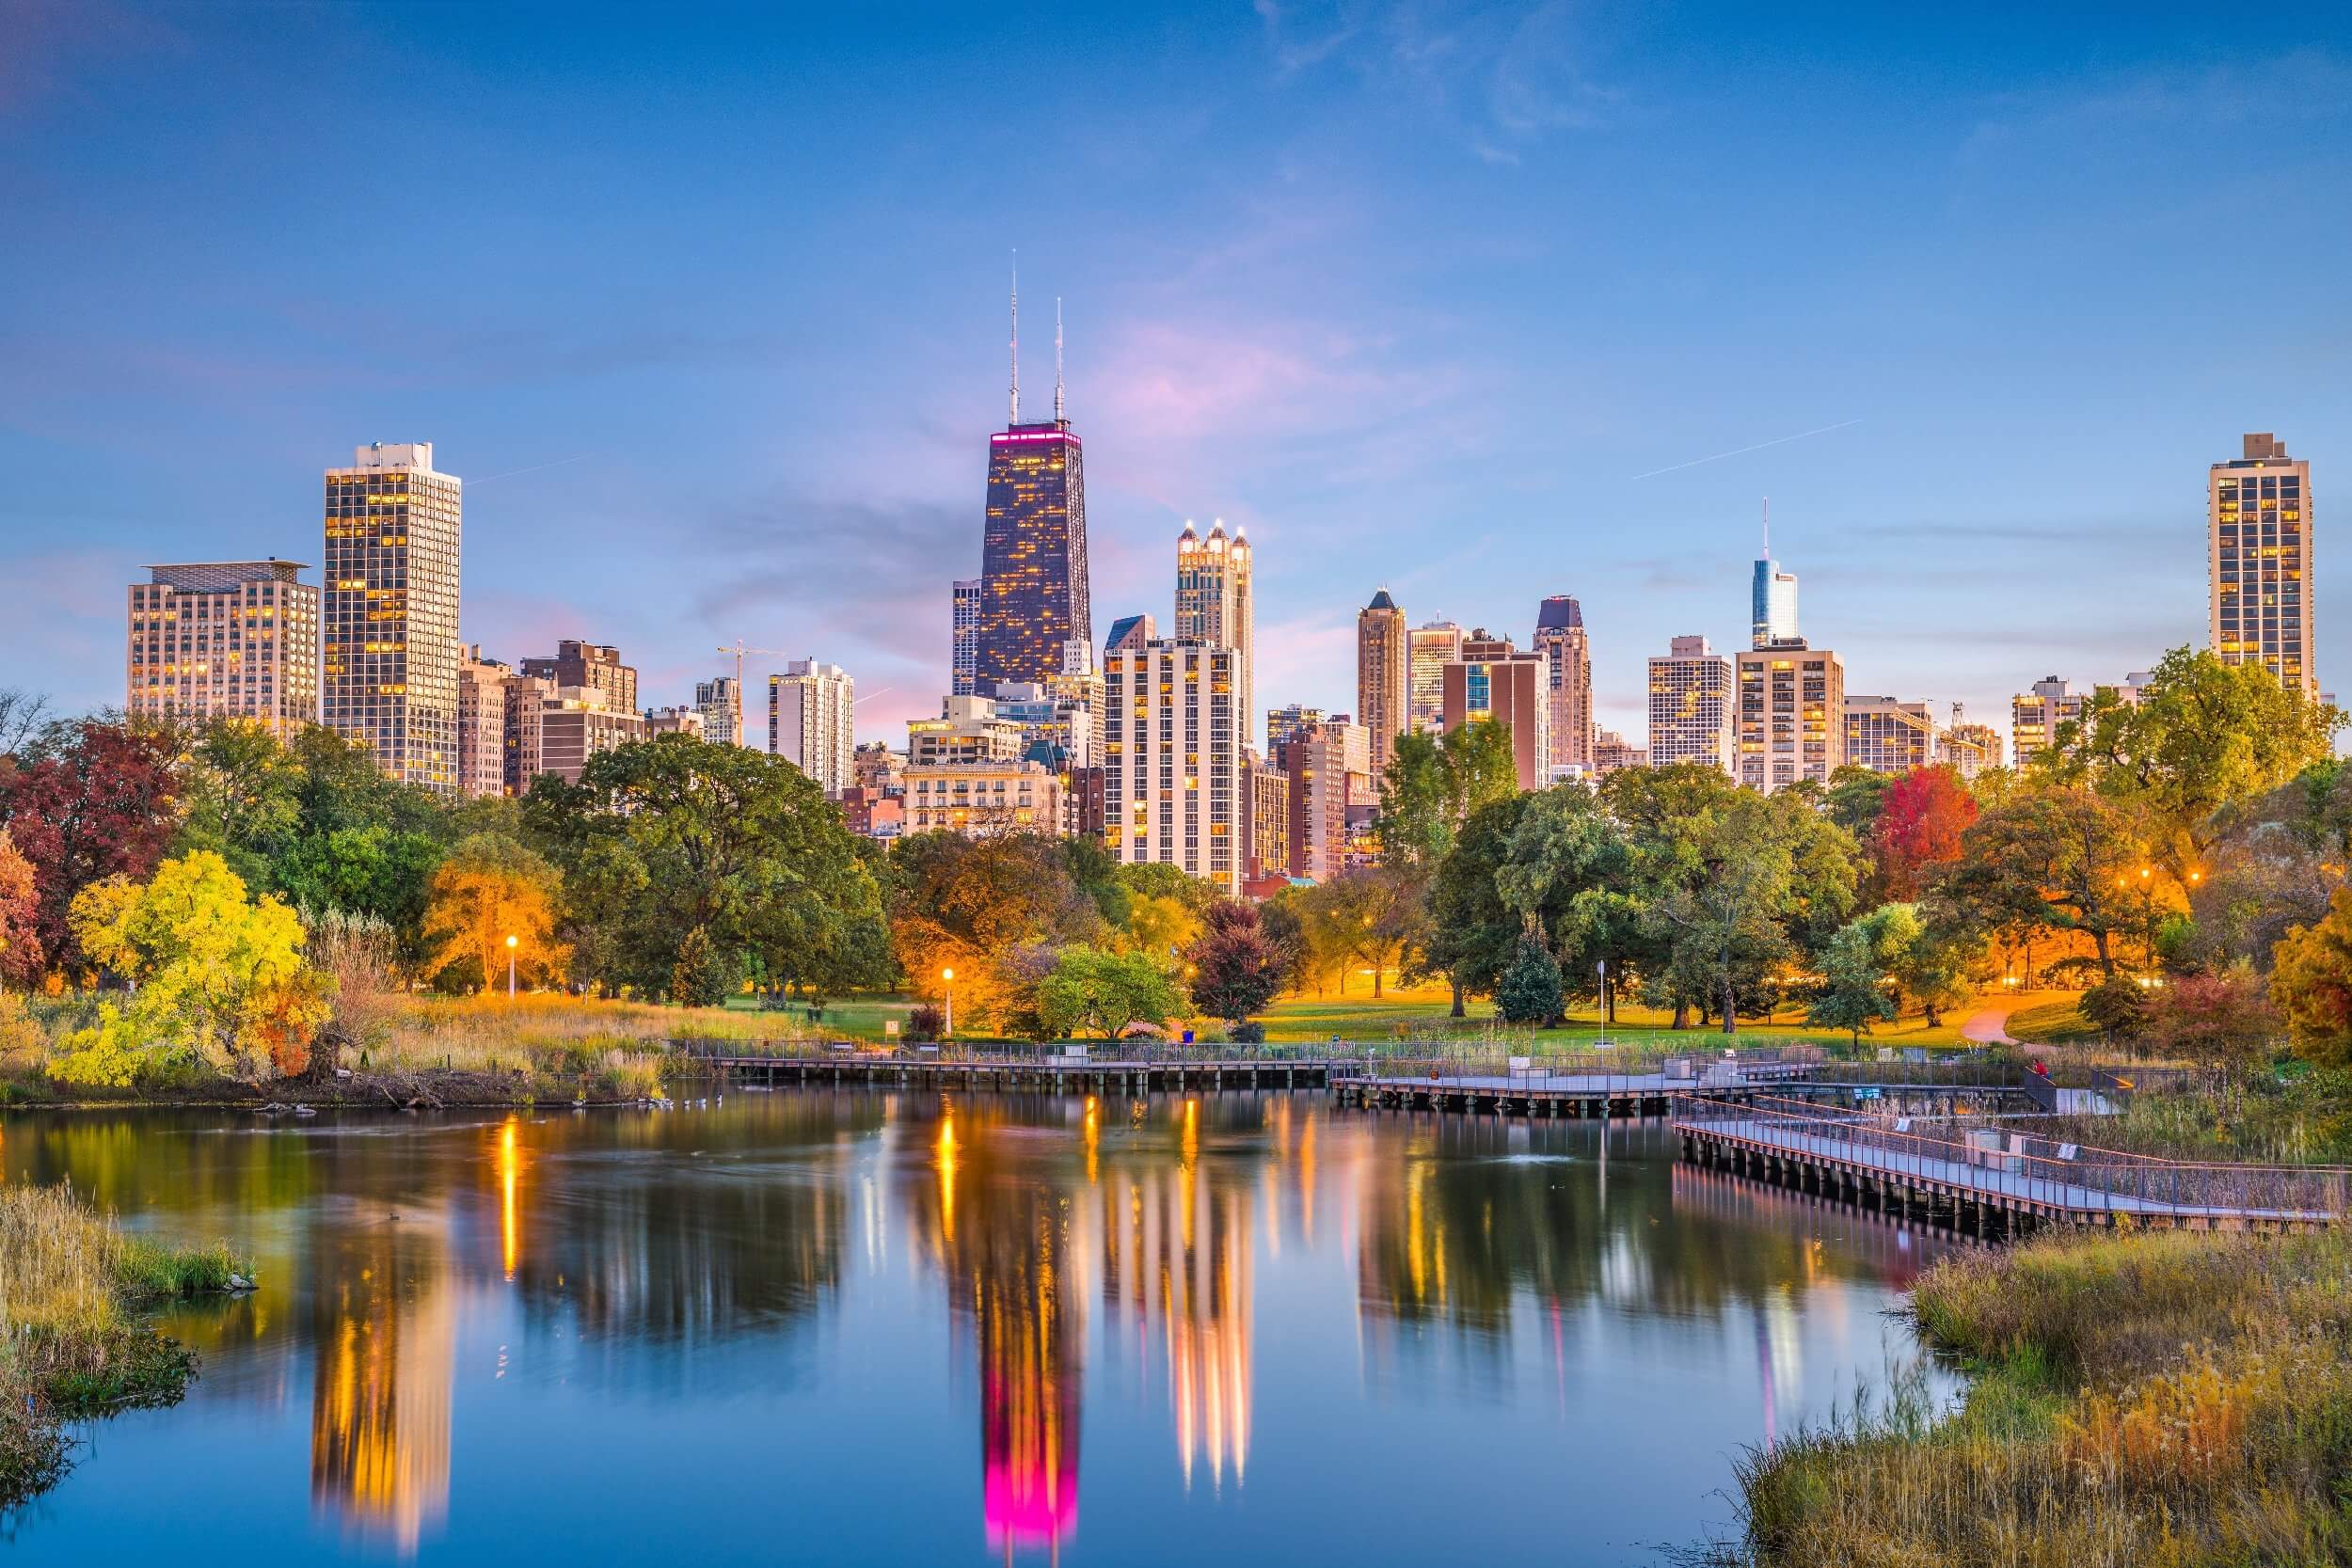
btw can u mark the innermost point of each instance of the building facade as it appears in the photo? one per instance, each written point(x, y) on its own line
point(1567, 655)
point(1327, 769)
point(982, 799)
point(1429, 649)
point(1383, 679)
point(1613, 752)
point(1214, 597)
point(1791, 715)
point(1771, 605)
point(234, 639)
point(1173, 745)
point(967, 730)
point(2258, 552)
point(482, 725)
point(1269, 856)
point(963, 665)
point(1693, 706)
point(387, 619)
point(589, 667)
point(574, 725)
point(2035, 716)
point(812, 722)
point(720, 700)
point(1283, 723)
point(1492, 681)
point(674, 721)
point(1033, 593)
point(1888, 736)
point(1969, 748)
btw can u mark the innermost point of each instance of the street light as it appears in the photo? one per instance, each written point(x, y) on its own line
point(510, 968)
point(949, 1027)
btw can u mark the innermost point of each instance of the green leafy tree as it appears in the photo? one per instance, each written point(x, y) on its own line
point(1433, 783)
point(1854, 798)
point(1567, 877)
point(1528, 991)
point(1094, 989)
point(967, 903)
point(2055, 857)
point(220, 976)
point(1369, 914)
point(239, 795)
point(699, 977)
point(1857, 970)
point(1472, 933)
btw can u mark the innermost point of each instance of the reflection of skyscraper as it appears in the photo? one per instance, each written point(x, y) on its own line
point(1175, 1244)
point(385, 1335)
point(1034, 596)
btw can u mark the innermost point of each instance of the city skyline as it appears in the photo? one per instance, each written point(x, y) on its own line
point(1400, 415)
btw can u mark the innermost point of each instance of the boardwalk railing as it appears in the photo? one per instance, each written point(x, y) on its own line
point(2038, 1169)
point(1134, 1052)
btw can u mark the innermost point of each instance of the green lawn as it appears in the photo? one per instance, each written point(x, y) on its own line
point(2059, 1022)
point(1302, 1019)
point(856, 1018)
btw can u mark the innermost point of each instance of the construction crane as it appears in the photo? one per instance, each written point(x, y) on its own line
point(739, 651)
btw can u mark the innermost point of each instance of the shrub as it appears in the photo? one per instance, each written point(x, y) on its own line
point(1529, 991)
point(2118, 1006)
point(925, 1023)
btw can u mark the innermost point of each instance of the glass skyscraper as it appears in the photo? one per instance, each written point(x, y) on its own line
point(1033, 561)
point(1773, 603)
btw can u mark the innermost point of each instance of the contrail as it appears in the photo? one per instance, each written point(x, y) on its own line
point(532, 469)
point(1776, 441)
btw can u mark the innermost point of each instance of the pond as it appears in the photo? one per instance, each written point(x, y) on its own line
point(865, 1327)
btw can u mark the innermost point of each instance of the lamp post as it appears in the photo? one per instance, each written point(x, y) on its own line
point(510, 968)
point(948, 1028)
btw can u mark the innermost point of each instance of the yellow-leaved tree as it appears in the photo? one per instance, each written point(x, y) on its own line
point(486, 889)
point(219, 975)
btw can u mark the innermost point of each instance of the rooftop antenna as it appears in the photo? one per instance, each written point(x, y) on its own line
point(1015, 397)
point(1058, 359)
point(1767, 528)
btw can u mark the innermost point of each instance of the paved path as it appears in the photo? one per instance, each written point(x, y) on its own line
point(1989, 1025)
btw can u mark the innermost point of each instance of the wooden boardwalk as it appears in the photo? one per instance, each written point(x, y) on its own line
point(1999, 1181)
point(1109, 1075)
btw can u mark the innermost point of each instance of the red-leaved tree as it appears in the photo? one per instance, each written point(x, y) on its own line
point(1921, 822)
point(90, 800)
point(20, 915)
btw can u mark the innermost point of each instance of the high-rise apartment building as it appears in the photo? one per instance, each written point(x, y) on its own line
point(1214, 597)
point(575, 723)
point(1693, 706)
point(527, 700)
point(1034, 593)
point(225, 638)
point(1269, 822)
point(1383, 679)
point(590, 667)
point(1613, 752)
point(2034, 717)
point(1328, 766)
point(1430, 648)
point(1791, 715)
point(720, 700)
point(965, 659)
point(389, 648)
point(1568, 656)
point(1888, 736)
point(1283, 723)
point(1172, 748)
point(1492, 681)
point(2258, 551)
point(811, 720)
point(1063, 724)
point(482, 725)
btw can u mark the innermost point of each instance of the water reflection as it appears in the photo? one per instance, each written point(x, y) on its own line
point(773, 1269)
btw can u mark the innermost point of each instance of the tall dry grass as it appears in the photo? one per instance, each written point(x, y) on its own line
point(559, 1042)
point(72, 1285)
point(2174, 1401)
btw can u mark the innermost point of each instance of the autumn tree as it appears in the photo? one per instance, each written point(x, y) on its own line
point(1369, 914)
point(1236, 971)
point(84, 800)
point(2222, 1018)
point(2311, 981)
point(219, 976)
point(1919, 824)
point(2056, 857)
point(969, 904)
point(485, 891)
point(21, 956)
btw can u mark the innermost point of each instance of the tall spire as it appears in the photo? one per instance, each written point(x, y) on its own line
point(1015, 400)
point(1767, 528)
point(1058, 359)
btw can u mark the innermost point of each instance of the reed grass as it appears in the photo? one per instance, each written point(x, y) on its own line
point(73, 1287)
point(2155, 1400)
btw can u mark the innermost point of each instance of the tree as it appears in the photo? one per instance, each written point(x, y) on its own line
point(1433, 783)
point(369, 869)
point(1940, 968)
point(1236, 971)
point(2202, 734)
point(698, 979)
point(1857, 970)
point(485, 892)
point(1473, 934)
point(966, 904)
point(1856, 799)
point(240, 794)
point(1106, 991)
point(220, 976)
point(86, 800)
point(1370, 913)
point(2059, 858)
point(1920, 820)
point(2222, 1018)
point(1565, 878)
point(1528, 991)
point(2311, 981)
point(21, 955)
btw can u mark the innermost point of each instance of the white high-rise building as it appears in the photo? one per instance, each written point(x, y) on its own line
point(1791, 715)
point(720, 701)
point(965, 663)
point(225, 638)
point(1213, 601)
point(1692, 706)
point(811, 721)
point(1172, 735)
point(1431, 648)
point(389, 648)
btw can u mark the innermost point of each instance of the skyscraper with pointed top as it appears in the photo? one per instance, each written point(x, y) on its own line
point(1034, 596)
point(1383, 680)
point(1773, 596)
point(1213, 598)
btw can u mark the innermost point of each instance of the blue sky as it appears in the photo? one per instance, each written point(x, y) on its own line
point(707, 306)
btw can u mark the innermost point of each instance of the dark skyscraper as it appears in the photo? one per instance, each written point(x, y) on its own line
point(1034, 598)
